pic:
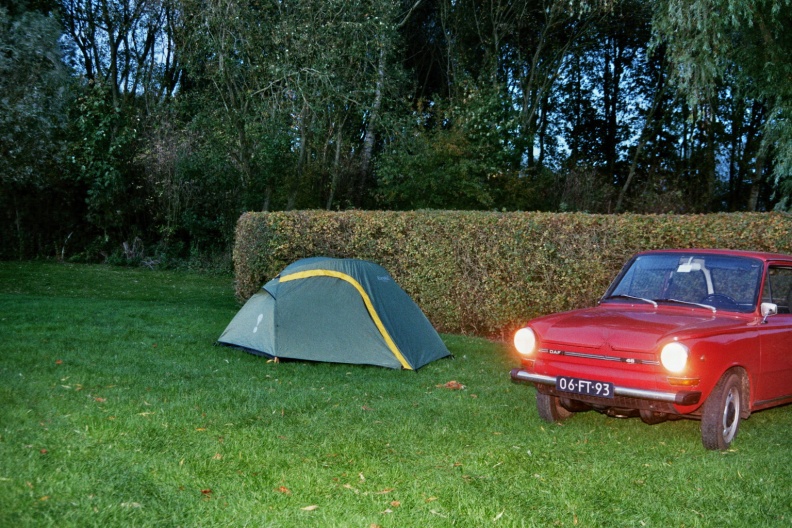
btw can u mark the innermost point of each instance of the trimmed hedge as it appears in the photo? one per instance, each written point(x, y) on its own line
point(486, 273)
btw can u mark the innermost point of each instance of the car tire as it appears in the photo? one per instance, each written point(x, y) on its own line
point(550, 408)
point(720, 418)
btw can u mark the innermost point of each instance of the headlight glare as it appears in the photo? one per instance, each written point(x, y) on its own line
point(674, 357)
point(525, 341)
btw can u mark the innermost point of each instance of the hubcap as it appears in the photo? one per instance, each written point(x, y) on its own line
point(731, 415)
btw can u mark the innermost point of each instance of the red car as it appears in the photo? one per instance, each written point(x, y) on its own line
point(702, 334)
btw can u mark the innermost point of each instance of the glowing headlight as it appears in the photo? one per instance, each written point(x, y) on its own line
point(674, 357)
point(525, 341)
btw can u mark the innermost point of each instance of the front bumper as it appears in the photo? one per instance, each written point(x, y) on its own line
point(677, 398)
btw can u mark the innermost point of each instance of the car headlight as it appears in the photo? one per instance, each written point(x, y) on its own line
point(525, 341)
point(674, 357)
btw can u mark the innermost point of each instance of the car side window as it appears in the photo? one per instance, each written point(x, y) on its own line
point(778, 288)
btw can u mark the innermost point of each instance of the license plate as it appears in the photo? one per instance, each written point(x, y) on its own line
point(583, 386)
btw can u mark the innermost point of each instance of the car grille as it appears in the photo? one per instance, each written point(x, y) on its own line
point(600, 357)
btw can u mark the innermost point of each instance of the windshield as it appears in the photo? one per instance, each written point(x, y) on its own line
point(721, 282)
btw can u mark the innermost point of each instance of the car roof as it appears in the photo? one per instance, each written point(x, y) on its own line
point(733, 252)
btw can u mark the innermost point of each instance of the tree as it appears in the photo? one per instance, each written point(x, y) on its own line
point(126, 45)
point(35, 88)
point(604, 87)
point(749, 39)
point(302, 87)
point(124, 52)
point(102, 152)
point(465, 163)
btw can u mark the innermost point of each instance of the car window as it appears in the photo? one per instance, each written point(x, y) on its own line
point(778, 288)
point(724, 282)
point(690, 287)
point(732, 283)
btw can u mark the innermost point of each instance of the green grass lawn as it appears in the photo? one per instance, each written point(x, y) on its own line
point(117, 410)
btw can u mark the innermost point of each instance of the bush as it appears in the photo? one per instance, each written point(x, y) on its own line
point(487, 273)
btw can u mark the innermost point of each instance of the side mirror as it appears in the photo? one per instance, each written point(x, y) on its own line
point(768, 309)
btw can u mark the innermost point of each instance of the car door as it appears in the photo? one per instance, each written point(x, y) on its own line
point(775, 381)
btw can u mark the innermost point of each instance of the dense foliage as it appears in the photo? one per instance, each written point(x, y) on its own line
point(487, 273)
point(139, 130)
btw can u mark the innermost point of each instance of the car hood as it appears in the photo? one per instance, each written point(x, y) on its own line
point(629, 328)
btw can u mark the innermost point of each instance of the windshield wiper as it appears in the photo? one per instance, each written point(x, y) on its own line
point(714, 310)
point(623, 296)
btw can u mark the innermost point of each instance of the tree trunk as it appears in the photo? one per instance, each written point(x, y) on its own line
point(641, 143)
point(711, 161)
point(370, 137)
point(301, 161)
point(759, 167)
point(336, 169)
point(267, 198)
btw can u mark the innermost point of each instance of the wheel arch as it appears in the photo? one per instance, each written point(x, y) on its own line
point(745, 389)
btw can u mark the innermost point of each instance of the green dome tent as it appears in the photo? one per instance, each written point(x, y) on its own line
point(338, 311)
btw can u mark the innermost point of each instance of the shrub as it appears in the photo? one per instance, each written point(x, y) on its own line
point(487, 273)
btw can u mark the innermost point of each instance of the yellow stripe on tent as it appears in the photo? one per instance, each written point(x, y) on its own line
point(366, 300)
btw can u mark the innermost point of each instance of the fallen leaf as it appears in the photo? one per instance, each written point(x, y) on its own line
point(312, 507)
point(498, 516)
point(217, 456)
point(452, 385)
point(44, 498)
point(387, 511)
point(206, 492)
point(395, 504)
point(200, 429)
point(431, 499)
point(386, 490)
point(43, 451)
point(59, 362)
point(373, 525)
point(283, 489)
point(100, 400)
point(367, 408)
point(362, 478)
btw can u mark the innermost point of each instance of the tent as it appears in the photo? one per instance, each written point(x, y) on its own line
point(338, 311)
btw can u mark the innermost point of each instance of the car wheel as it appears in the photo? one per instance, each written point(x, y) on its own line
point(720, 417)
point(550, 409)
